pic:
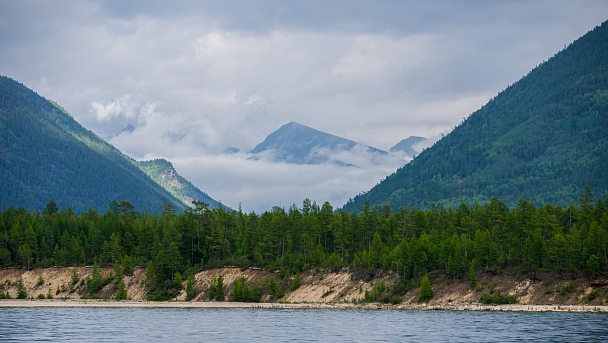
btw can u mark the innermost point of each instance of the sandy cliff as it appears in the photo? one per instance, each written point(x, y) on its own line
point(325, 287)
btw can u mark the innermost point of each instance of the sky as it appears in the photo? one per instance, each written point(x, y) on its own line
point(195, 79)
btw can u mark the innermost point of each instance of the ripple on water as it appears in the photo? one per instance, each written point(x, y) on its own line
point(293, 325)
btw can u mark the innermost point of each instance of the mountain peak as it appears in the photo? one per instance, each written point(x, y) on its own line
point(299, 144)
point(406, 146)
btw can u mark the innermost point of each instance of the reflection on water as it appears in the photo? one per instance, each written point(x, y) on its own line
point(283, 325)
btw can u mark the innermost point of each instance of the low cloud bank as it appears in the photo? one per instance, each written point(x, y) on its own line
point(257, 185)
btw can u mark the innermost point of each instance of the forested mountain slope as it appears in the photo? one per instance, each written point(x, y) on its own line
point(163, 173)
point(542, 139)
point(45, 154)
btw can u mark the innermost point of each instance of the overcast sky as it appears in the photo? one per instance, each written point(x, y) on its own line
point(195, 78)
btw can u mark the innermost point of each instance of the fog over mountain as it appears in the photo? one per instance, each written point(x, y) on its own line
point(197, 79)
point(300, 144)
point(409, 147)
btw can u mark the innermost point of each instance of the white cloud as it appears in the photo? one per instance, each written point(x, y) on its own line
point(198, 77)
point(258, 185)
point(126, 107)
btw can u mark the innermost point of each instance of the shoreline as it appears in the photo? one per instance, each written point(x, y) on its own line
point(95, 303)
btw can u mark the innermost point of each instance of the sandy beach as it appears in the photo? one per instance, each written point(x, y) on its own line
point(12, 303)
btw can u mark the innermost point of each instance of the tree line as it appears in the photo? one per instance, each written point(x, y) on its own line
point(409, 242)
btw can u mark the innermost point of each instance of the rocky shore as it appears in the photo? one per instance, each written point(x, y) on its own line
point(82, 303)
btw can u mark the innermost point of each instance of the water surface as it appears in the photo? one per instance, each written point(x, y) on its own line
point(294, 325)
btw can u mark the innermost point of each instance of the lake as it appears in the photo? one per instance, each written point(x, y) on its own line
point(294, 325)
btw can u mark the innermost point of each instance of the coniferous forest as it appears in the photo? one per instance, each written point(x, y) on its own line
point(409, 242)
point(541, 139)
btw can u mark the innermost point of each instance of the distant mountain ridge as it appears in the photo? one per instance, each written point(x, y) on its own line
point(542, 139)
point(406, 146)
point(299, 144)
point(45, 154)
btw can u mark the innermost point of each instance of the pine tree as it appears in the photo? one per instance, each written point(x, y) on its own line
point(75, 277)
point(216, 288)
point(21, 292)
point(40, 281)
point(127, 265)
point(219, 289)
point(177, 280)
point(426, 291)
point(150, 275)
point(121, 293)
point(190, 291)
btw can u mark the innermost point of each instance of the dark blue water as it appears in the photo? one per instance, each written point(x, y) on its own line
point(287, 325)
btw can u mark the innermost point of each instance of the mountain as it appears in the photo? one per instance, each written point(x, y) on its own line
point(543, 139)
point(45, 154)
point(163, 173)
point(406, 146)
point(299, 144)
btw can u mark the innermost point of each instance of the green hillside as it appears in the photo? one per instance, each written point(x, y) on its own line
point(163, 173)
point(45, 154)
point(542, 139)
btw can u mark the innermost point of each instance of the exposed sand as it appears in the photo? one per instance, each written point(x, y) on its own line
point(321, 290)
point(69, 303)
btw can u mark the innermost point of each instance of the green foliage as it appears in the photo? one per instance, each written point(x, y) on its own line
point(497, 298)
point(160, 282)
point(117, 271)
point(127, 265)
point(191, 292)
point(177, 279)
point(567, 288)
point(591, 296)
point(328, 292)
point(255, 294)
point(594, 265)
point(381, 293)
point(21, 291)
point(473, 276)
point(543, 139)
point(243, 292)
point(95, 282)
point(150, 275)
point(121, 293)
point(274, 288)
point(40, 281)
point(295, 283)
point(216, 288)
point(426, 290)
point(75, 277)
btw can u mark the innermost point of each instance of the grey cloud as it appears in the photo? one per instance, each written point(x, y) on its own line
point(197, 77)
